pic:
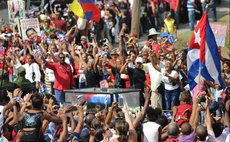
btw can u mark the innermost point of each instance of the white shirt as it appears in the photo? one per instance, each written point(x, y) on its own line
point(29, 71)
point(50, 74)
point(211, 137)
point(167, 82)
point(155, 76)
point(223, 136)
point(151, 133)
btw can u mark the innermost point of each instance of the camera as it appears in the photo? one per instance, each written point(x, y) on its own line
point(102, 41)
point(202, 99)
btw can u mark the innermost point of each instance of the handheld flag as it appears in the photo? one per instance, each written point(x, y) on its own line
point(77, 9)
point(91, 10)
point(203, 55)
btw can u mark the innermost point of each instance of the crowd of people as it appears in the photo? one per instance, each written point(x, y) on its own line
point(36, 72)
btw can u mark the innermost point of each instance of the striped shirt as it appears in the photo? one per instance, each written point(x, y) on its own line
point(190, 6)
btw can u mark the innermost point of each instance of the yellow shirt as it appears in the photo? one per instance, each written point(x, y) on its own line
point(169, 23)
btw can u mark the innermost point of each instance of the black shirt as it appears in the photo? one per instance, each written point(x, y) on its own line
point(92, 78)
point(137, 78)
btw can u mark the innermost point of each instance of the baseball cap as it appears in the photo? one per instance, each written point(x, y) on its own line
point(139, 60)
point(84, 38)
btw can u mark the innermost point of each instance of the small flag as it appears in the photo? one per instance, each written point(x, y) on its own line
point(171, 39)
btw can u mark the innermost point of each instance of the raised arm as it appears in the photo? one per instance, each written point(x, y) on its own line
point(123, 68)
point(51, 117)
point(50, 65)
point(122, 54)
point(16, 92)
point(208, 121)
point(140, 115)
point(73, 54)
point(132, 131)
point(96, 63)
point(72, 121)
point(72, 31)
point(109, 115)
point(80, 120)
point(195, 113)
point(64, 133)
point(154, 60)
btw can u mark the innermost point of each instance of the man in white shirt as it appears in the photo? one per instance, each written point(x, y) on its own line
point(33, 73)
point(155, 79)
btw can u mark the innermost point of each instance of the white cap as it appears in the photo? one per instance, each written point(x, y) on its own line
point(139, 60)
point(79, 47)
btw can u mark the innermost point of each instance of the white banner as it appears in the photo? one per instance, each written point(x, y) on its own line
point(16, 10)
point(30, 29)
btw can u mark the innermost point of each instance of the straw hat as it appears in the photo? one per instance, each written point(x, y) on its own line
point(153, 31)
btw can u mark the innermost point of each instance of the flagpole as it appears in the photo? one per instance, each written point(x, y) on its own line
point(199, 78)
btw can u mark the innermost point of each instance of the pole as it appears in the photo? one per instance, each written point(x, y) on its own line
point(199, 78)
point(135, 23)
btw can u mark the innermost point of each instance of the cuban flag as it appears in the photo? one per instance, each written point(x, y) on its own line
point(203, 55)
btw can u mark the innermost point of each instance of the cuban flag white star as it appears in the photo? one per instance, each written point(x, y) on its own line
point(197, 36)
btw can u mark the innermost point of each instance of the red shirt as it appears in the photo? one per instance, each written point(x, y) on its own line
point(175, 5)
point(147, 81)
point(60, 24)
point(155, 47)
point(76, 68)
point(63, 76)
point(184, 111)
point(157, 2)
point(172, 140)
point(127, 82)
point(5, 67)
